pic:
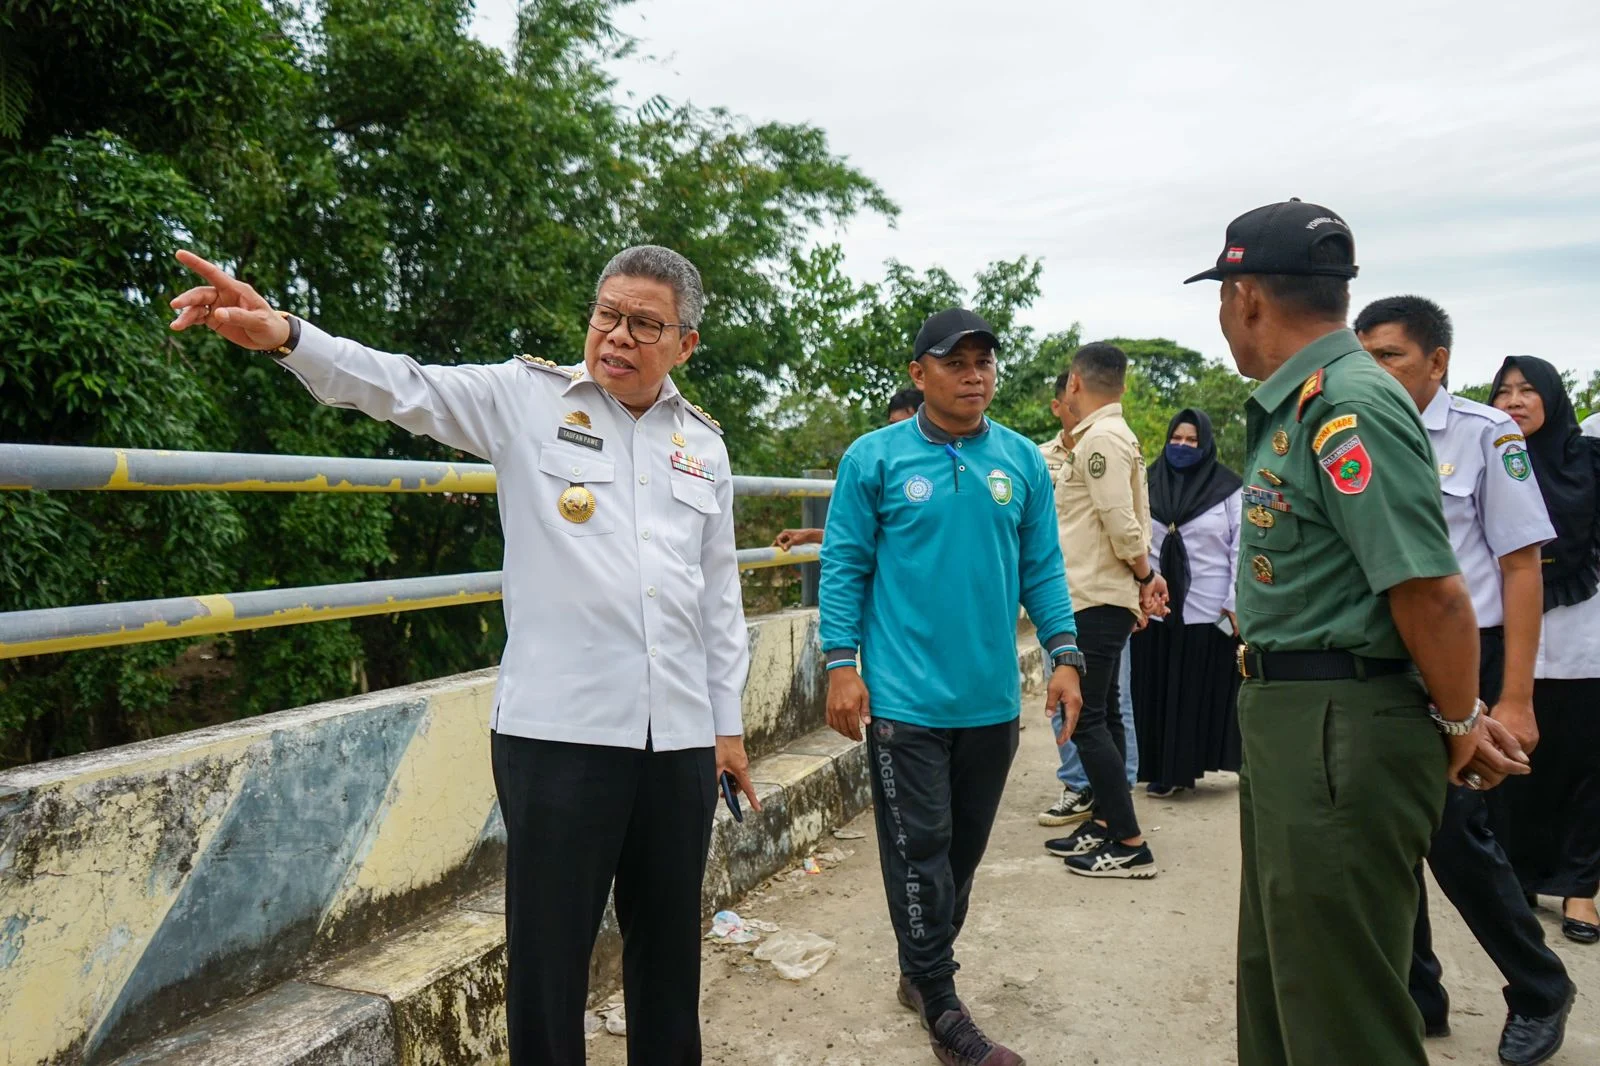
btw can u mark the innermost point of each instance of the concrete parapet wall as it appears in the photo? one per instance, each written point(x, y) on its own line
point(143, 886)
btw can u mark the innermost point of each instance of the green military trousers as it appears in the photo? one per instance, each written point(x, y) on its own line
point(1342, 786)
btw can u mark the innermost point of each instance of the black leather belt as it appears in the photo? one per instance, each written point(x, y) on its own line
point(1315, 665)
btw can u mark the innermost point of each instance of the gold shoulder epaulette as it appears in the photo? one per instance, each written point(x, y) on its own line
point(707, 419)
point(549, 365)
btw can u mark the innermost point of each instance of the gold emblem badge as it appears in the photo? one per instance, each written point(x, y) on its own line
point(578, 418)
point(677, 438)
point(576, 504)
point(1280, 442)
point(1272, 478)
point(1263, 569)
point(1262, 518)
point(1446, 469)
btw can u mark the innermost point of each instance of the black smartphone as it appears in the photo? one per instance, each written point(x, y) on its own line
point(730, 795)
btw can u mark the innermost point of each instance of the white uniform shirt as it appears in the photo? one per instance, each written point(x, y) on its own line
point(1211, 540)
point(1569, 647)
point(624, 626)
point(1591, 425)
point(1491, 497)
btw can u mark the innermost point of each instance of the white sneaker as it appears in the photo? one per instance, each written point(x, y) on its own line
point(1073, 806)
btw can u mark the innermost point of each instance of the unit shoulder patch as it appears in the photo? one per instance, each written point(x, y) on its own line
point(1329, 428)
point(1516, 460)
point(1348, 466)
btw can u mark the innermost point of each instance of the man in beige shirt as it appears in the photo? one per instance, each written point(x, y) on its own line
point(1103, 509)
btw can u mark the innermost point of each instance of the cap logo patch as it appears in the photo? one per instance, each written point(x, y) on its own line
point(1235, 255)
point(1314, 223)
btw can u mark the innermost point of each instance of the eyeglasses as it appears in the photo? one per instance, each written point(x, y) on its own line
point(642, 329)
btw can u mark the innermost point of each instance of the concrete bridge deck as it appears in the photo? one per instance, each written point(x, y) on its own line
point(1067, 970)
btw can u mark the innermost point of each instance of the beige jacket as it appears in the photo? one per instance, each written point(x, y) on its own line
point(1102, 509)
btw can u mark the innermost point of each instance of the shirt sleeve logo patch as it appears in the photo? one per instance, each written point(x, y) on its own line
point(1349, 467)
point(918, 489)
point(1097, 465)
point(1516, 460)
point(1000, 487)
point(1337, 425)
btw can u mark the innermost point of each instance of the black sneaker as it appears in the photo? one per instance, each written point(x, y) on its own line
point(957, 1041)
point(1114, 859)
point(1073, 806)
point(1160, 790)
point(1085, 838)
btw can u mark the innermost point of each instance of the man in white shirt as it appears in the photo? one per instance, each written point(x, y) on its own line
point(618, 699)
point(1497, 523)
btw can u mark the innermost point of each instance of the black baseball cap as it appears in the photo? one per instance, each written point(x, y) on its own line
point(943, 331)
point(1278, 239)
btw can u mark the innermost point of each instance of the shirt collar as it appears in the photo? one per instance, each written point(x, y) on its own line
point(934, 435)
point(1437, 414)
point(1271, 393)
point(1110, 410)
point(580, 376)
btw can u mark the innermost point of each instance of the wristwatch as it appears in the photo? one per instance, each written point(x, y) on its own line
point(1070, 657)
point(288, 346)
point(1151, 576)
point(1461, 728)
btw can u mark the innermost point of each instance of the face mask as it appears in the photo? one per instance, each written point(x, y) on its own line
point(1182, 456)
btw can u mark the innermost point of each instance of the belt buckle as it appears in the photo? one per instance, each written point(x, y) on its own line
point(1238, 655)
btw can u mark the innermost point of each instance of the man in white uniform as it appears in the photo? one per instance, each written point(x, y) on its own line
point(618, 700)
point(1497, 523)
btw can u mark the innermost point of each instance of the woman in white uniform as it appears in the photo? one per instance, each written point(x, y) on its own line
point(1553, 815)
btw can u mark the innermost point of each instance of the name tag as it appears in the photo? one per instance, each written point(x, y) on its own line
point(580, 438)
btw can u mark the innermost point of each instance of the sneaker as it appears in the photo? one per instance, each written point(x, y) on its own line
point(1114, 859)
point(910, 998)
point(957, 1041)
point(1087, 837)
point(1073, 806)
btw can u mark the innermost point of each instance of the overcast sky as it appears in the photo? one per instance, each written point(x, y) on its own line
point(1461, 141)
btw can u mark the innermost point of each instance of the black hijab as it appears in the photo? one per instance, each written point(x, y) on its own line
point(1176, 496)
point(1564, 461)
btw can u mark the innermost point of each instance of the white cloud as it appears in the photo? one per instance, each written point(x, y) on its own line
point(1461, 141)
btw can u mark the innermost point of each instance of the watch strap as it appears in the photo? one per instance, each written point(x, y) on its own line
point(288, 346)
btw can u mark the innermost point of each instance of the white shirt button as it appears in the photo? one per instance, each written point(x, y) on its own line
point(577, 470)
point(958, 444)
point(652, 653)
point(644, 479)
point(651, 591)
point(960, 468)
point(645, 535)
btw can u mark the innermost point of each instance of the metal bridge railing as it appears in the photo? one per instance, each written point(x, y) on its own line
point(58, 629)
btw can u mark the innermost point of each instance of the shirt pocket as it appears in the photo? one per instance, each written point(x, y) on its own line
point(694, 502)
point(566, 468)
point(1271, 571)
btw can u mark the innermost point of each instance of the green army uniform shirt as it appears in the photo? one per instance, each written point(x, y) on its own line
point(1341, 503)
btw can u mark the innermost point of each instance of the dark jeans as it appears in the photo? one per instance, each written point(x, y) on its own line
point(576, 816)
point(1475, 875)
point(1102, 635)
point(934, 796)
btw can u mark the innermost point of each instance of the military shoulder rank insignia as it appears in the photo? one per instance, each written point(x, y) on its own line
point(1349, 467)
point(1516, 460)
point(1310, 391)
point(549, 366)
point(700, 413)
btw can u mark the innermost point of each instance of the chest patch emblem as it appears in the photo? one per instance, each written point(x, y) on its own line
point(1349, 467)
point(578, 418)
point(1000, 487)
point(1446, 469)
point(1516, 460)
point(918, 489)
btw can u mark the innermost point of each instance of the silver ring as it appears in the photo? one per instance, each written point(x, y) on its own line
point(1473, 779)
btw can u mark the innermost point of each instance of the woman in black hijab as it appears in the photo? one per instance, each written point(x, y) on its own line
point(1185, 683)
point(1552, 817)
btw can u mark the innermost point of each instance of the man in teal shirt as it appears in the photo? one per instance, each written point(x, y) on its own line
point(938, 528)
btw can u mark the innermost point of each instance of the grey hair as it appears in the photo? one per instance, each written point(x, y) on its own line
point(661, 264)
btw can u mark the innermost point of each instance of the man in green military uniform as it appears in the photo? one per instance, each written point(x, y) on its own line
point(1347, 589)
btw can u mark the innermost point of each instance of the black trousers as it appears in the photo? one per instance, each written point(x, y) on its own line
point(1475, 875)
point(1102, 635)
point(934, 797)
point(577, 816)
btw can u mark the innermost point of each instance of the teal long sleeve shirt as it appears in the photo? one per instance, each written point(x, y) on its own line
point(932, 542)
